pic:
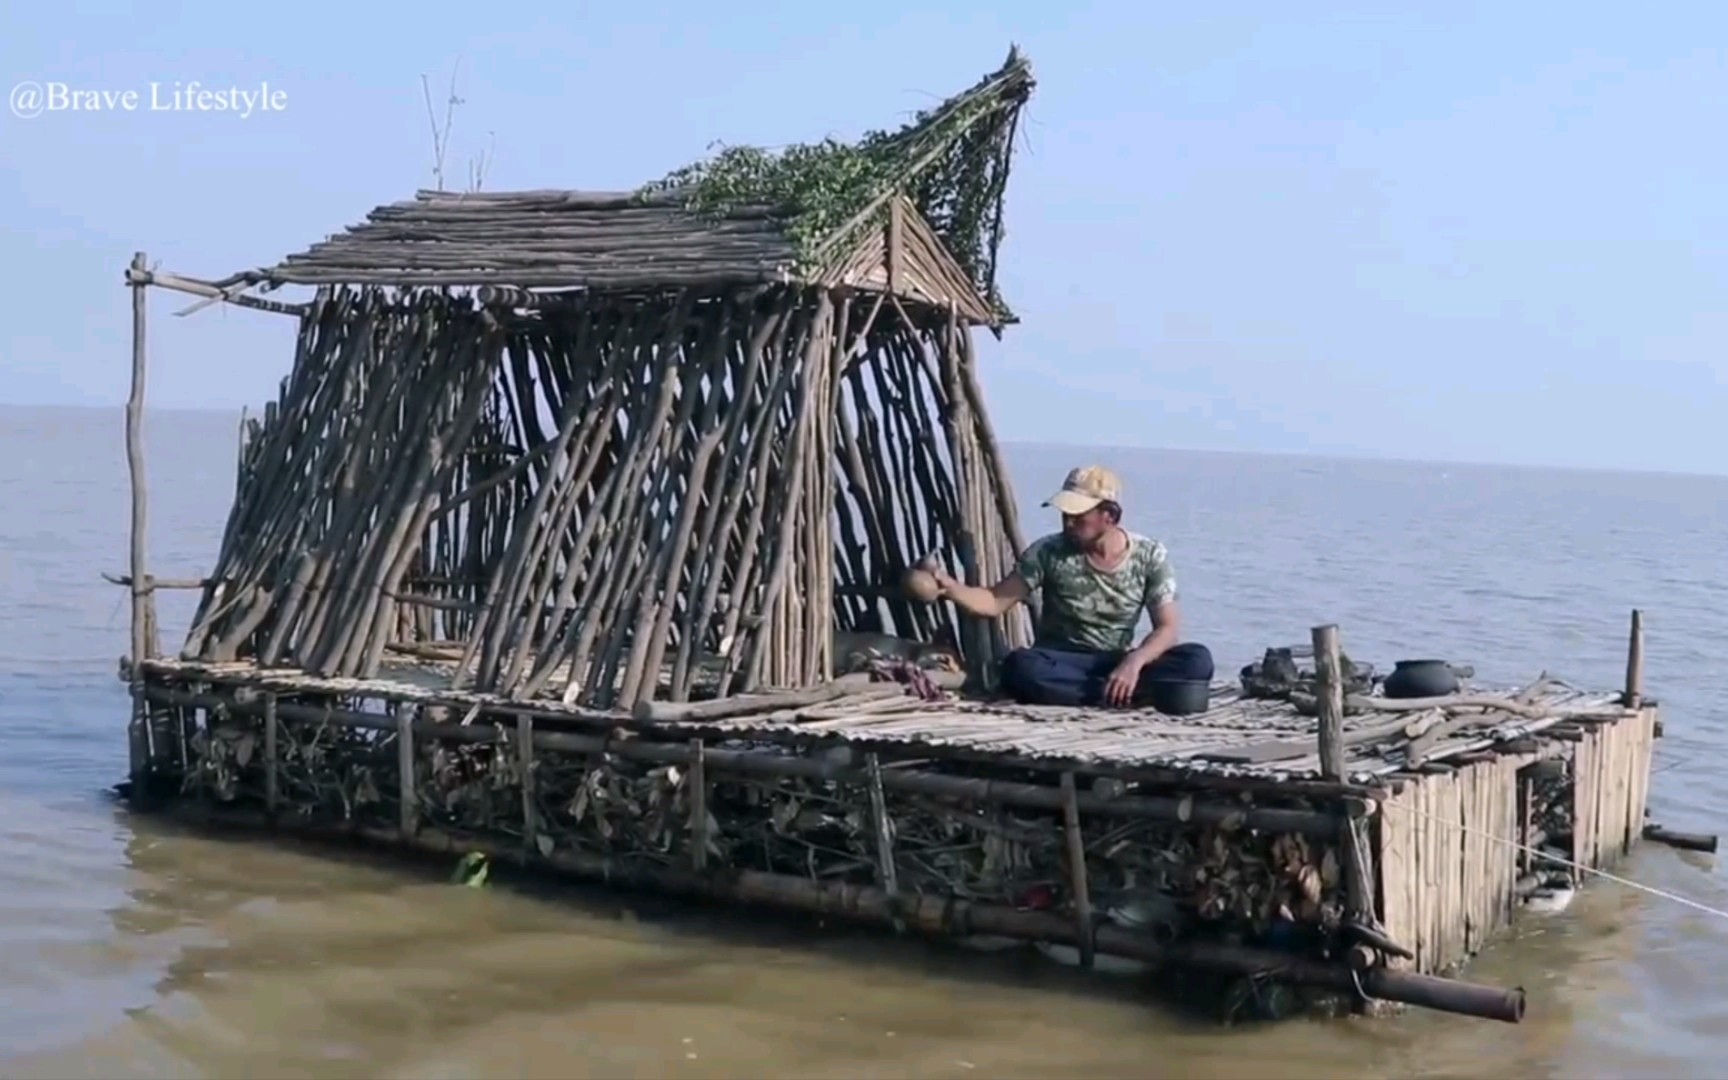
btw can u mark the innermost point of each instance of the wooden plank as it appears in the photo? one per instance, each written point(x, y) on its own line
point(1393, 862)
point(1641, 795)
point(1453, 840)
point(1422, 881)
point(1583, 808)
point(1613, 794)
point(1469, 779)
point(1286, 749)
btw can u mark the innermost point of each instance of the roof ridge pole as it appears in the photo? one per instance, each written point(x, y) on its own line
point(143, 601)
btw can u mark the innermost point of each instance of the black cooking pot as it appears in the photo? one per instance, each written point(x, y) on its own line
point(1181, 697)
point(1420, 678)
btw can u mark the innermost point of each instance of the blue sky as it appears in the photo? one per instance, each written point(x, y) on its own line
point(1454, 231)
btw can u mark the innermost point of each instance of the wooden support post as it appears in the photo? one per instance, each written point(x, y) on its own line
point(698, 807)
point(525, 762)
point(1077, 881)
point(409, 802)
point(1353, 842)
point(1635, 662)
point(272, 765)
point(1330, 693)
point(883, 826)
point(140, 749)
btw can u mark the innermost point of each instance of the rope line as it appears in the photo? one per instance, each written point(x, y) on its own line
point(1651, 889)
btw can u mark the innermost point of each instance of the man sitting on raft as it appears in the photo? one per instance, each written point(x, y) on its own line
point(1095, 577)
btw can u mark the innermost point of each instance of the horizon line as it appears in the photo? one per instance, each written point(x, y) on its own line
point(1042, 444)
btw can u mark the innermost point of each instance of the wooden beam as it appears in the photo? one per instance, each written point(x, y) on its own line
point(139, 276)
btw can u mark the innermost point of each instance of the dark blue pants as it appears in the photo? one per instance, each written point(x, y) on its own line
point(1042, 675)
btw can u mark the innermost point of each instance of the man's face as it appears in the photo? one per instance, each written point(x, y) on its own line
point(1088, 528)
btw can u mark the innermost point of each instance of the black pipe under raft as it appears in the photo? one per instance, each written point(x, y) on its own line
point(545, 547)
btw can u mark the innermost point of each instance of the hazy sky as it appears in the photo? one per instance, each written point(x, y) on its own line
point(1488, 232)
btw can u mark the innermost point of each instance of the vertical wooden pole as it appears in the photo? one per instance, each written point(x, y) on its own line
point(138, 730)
point(272, 785)
point(698, 807)
point(525, 762)
point(1354, 845)
point(1330, 694)
point(883, 826)
point(1635, 662)
point(1077, 880)
point(409, 801)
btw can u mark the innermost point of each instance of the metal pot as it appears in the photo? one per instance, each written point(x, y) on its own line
point(1419, 679)
point(1181, 697)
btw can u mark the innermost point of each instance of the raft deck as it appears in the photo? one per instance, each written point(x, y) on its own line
point(1459, 807)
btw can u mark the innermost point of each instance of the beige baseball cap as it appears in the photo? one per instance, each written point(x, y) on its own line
point(1085, 488)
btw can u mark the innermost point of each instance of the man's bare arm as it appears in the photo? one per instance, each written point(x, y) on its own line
point(984, 603)
point(1166, 631)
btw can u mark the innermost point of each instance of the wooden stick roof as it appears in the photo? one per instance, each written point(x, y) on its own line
point(546, 238)
point(619, 240)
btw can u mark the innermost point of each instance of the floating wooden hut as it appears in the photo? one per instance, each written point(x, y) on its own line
point(544, 549)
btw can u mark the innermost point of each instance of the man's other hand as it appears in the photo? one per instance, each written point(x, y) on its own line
point(1119, 689)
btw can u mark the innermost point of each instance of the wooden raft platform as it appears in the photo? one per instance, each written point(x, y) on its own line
point(1236, 736)
point(859, 798)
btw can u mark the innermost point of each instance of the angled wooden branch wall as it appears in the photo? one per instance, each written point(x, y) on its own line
point(608, 498)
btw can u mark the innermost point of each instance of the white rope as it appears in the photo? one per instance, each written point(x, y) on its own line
point(1651, 889)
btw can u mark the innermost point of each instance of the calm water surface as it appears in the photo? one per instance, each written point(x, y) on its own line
point(129, 949)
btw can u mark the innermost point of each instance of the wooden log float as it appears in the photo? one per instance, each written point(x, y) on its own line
point(932, 915)
point(1705, 842)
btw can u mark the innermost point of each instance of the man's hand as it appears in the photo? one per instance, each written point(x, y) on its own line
point(1119, 689)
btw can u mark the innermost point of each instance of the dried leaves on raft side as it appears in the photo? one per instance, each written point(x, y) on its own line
point(1199, 879)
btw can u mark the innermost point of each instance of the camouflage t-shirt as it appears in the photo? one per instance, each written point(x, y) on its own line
point(1088, 608)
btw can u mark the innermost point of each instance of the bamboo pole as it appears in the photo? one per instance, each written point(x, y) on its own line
point(1077, 879)
point(1329, 690)
point(138, 732)
point(698, 807)
point(409, 802)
